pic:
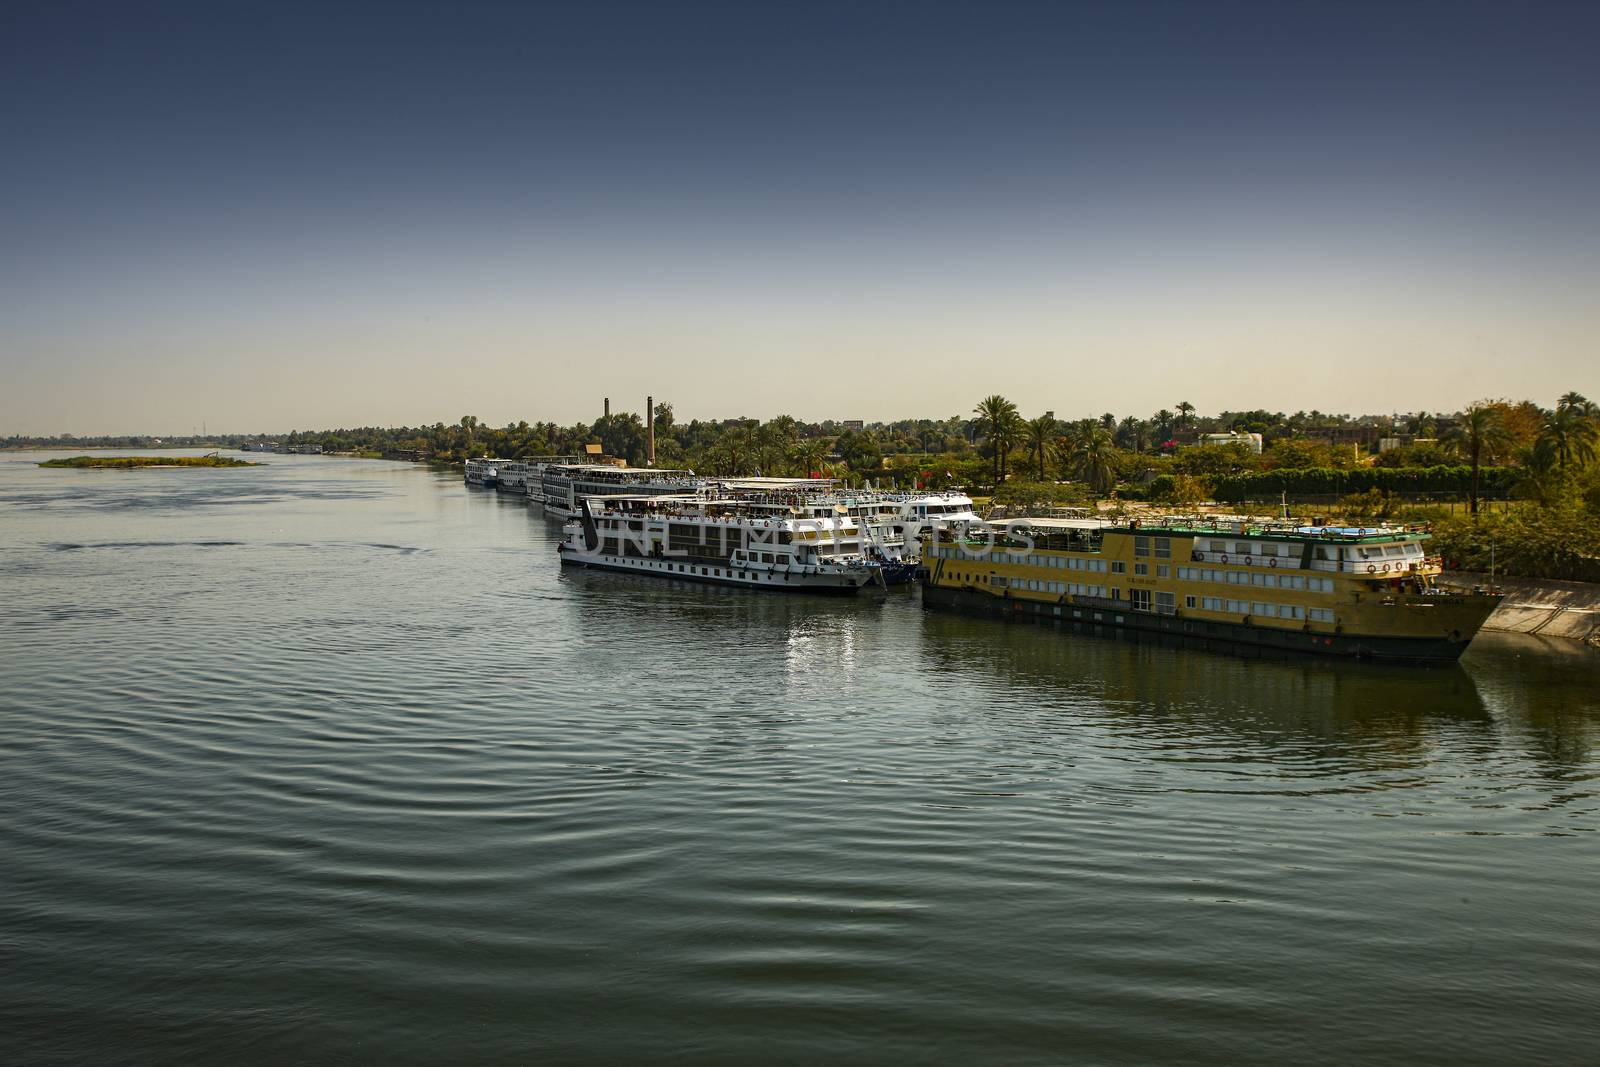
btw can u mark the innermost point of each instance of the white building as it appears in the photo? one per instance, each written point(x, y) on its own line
point(1252, 441)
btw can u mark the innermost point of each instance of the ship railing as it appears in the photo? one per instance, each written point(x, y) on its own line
point(1377, 568)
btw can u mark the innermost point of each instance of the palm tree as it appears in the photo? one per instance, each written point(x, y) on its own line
point(808, 455)
point(731, 452)
point(1575, 402)
point(1480, 431)
point(1012, 433)
point(1185, 414)
point(1093, 456)
point(1040, 436)
point(771, 447)
point(1569, 434)
point(1163, 421)
point(1130, 434)
point(1109, 421)
point(996, 415)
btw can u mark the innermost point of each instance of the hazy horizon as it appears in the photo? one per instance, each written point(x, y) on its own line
point(277, 217)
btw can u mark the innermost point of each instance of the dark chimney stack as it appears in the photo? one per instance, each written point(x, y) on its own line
point(608, 407)
point(650, 429)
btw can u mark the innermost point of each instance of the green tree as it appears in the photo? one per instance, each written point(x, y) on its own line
point(1040, 437)
point(1163, 420)
point(1575, 402)
point(860, 452)
point(1094, 458)
point(1185, 414)
point(1481, 433)
point(621, 434)
point(808, 455)
point(771, 446)
point(1132, 434)
point(1296, 453)
point(1568, 434)
point(997, 418)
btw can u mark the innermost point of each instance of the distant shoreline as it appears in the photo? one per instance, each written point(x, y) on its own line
point(108, 448)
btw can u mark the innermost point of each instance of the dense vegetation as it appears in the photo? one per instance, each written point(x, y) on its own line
point(132, 462)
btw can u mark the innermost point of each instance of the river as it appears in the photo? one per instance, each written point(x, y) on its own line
point(329, 760)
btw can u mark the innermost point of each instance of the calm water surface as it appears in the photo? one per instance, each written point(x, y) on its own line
point(328, 760)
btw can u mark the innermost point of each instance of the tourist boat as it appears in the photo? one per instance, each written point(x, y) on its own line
point(758, 541)
point(887, 539)
point(943, 509)
point(1348, 591)
point(562, 486)
point(534, 479)
point(513, 477)
point(895, 523)
point(484, 472)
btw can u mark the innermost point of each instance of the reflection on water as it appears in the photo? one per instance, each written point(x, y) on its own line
point(330, 759)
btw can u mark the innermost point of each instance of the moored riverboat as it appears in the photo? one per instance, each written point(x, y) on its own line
point(1369, 593)
point(756, 541)
point(513, 478)
point(939, 509)
point(563, 486)
point(484, 472)
point(894, 524)
point(533, 481)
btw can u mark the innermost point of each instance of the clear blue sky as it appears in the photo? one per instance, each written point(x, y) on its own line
point(267, 216)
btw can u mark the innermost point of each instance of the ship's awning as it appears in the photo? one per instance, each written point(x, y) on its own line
point(1054, 523)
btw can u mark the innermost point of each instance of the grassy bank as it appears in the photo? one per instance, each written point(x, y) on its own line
point(135, 462)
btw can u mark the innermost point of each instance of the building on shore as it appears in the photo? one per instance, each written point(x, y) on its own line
point(1252, 441)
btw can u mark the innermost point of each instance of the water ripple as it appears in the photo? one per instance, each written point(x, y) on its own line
point(349, 768)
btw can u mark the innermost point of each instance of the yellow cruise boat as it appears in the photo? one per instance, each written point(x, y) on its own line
point(1368, 592)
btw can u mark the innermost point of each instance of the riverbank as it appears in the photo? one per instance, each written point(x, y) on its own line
point(1540, 606)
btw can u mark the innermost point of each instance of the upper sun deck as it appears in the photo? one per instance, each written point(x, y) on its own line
point(605, 474)
point(1273, 531)
point(715, 511)
point(1358, 550)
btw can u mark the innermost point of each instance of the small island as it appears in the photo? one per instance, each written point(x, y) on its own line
point(139, 462)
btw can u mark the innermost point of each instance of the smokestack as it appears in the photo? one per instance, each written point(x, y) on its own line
point(608, 407)
point(650, 429)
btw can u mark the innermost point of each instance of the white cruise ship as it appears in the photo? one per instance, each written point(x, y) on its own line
point(513, 477)
point(941, 509)
point(484, 472)
point(564, 485)
point(761, 541)
point(535, 475)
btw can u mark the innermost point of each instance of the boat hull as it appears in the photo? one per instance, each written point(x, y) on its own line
point(899, 571)
point(775, 579)
point(1439, 648)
